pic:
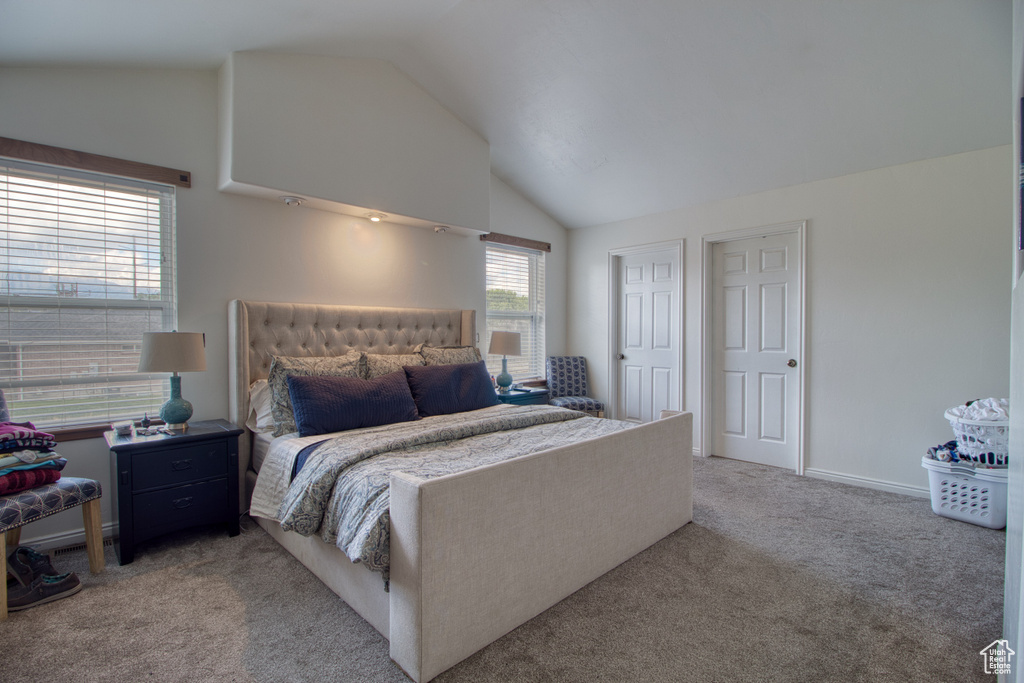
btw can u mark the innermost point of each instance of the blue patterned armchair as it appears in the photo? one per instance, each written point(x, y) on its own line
point(567, 385)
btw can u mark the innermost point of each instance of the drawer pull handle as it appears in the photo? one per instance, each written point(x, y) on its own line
point(179, 465)
point(182, 503)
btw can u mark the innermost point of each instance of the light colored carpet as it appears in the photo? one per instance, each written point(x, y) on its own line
point(779, 578)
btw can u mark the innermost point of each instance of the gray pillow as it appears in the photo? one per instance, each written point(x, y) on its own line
point(349, 365)
point(380, 364)
point(450, 355)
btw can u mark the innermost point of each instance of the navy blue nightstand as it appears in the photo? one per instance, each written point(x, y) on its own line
point(167, 482)
point(524, 397)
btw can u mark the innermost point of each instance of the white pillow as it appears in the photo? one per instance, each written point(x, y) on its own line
point(261, 418)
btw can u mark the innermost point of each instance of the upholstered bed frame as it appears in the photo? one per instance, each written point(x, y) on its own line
point(476, 553)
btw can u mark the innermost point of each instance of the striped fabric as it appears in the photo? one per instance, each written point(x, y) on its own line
point(325, 404)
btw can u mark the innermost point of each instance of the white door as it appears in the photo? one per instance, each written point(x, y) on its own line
point(649, 346)
point(756, 345)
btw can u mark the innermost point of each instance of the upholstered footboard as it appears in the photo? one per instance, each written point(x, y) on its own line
point(477, 553)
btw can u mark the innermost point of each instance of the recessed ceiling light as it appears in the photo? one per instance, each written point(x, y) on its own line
point(376, 217)
point(292, 201)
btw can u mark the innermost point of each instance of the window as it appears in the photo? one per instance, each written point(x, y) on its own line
point(515, 303)
point(86, 266)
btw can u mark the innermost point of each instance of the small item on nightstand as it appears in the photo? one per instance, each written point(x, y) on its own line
point(123, 428)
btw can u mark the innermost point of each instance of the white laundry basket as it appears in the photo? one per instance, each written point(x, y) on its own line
point(984, 441)
point(969, 494)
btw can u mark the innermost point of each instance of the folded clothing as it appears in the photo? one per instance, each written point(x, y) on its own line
point(27, 457)
point(51, 461)
point(27, 479)
point(15, 436)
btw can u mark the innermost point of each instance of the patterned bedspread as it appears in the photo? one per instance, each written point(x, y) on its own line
point(343, 493)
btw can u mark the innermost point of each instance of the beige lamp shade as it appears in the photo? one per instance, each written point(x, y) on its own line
point(505, 344)
point(172, 352)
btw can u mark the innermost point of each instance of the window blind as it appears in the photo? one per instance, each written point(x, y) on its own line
point(515, 303)
point(86, 266)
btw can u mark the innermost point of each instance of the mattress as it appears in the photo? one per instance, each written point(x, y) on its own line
point(261, 447)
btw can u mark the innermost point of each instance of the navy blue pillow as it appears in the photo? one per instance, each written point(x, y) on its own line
point(324, 404)
point(444, 389)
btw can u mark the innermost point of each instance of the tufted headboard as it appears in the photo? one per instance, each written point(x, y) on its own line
point(257, 331)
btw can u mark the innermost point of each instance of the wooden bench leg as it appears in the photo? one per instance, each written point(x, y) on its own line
point(13, 537)
point(93, 535)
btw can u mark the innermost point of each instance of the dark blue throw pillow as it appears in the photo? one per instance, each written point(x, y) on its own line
point(444, 389)
point(324, 404)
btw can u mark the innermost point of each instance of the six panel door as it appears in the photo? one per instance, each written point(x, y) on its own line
point(649, 343)
point(755, 347)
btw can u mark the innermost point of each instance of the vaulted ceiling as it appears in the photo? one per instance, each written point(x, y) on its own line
point(603, 110)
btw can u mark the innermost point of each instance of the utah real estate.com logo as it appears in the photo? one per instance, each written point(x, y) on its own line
point(997, 657)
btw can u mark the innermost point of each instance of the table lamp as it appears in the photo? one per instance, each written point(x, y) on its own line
point(504, 344)
point(174, 352)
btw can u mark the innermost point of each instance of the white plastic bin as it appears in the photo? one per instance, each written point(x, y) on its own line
point(975, 495)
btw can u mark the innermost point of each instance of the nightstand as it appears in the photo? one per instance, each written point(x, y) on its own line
point(167, 482)
point(524, 397)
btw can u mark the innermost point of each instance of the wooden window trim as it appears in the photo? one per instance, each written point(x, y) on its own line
point(69, 158)
point(87, 431)
point(513, 241)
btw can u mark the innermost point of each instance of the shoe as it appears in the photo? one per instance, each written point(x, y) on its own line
point(44, 589)
point(26, 565)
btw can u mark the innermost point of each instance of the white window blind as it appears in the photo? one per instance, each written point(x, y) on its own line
point(515, 303)
point(86, 266)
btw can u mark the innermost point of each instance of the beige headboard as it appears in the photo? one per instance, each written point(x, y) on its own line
point(258, 330)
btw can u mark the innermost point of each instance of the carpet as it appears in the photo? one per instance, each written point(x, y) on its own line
point(779, 578)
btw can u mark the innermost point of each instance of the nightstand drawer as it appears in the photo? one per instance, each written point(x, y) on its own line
point(159, 512)
point(178, 465)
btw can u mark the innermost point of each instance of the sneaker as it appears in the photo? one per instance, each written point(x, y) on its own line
point(26, 565)
point(44, 589)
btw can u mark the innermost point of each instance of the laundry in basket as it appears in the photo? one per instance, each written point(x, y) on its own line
point(982, 430)
point(967, 477)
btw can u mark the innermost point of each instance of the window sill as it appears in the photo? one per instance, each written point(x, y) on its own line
point(84, 432)
point(78, 433)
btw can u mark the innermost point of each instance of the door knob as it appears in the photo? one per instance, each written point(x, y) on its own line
point(792, 363)
point(621, 357)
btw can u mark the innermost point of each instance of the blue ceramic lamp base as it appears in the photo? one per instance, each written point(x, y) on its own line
point(177, 411)
point(504, 380)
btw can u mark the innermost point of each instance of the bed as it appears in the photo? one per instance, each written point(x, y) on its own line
point(478, 552)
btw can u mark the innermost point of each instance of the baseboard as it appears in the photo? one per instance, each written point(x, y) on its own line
point(64, 538)
point(869, 483)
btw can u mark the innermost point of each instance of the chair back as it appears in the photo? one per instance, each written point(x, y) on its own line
point(567, 376)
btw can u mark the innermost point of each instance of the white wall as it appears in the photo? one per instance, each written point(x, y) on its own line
point(357, 132)
point(232, 246)
point(907, 304)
